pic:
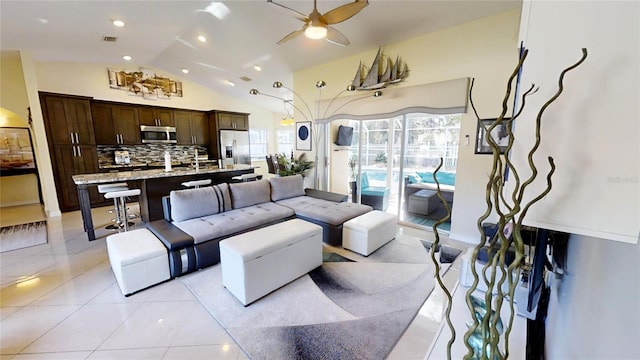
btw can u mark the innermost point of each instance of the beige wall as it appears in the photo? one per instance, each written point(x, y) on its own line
point(19, 189)
point(91, 80)
point(486, 50)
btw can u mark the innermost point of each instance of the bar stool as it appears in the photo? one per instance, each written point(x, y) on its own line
point(105, 188)
point(121, 196)
point(197, 183)
point(246, 178)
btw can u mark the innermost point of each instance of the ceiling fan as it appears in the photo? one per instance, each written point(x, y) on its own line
point(316, 25)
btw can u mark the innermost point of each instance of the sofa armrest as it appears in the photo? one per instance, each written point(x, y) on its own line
point(171, 236)
point(326, 195)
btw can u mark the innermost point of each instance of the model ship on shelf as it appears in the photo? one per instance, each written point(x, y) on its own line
point(383, 72)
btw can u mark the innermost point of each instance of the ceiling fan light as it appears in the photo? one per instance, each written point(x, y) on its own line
point(315, 32)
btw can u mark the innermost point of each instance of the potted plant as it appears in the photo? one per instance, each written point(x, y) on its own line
point(353, 162)
point(381, 159)
point(288, 166)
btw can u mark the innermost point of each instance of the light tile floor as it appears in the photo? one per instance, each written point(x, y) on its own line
point(61, 301)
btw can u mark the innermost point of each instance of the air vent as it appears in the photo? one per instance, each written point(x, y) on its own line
point(245, 78)
point(109, 38)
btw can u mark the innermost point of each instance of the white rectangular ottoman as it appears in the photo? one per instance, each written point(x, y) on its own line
point(368, 232)
point(138, 260)
point(260, 261)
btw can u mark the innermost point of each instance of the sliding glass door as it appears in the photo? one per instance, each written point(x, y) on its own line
point(394, 158)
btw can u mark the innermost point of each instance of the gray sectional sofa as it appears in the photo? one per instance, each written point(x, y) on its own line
point(196, 220)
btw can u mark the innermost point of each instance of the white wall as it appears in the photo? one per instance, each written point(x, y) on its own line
point(592, 130)
point(485, 49)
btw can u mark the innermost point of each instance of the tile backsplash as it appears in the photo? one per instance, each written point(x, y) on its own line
point(148, 153)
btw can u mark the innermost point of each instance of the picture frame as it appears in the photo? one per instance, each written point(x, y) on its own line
point(16, 152)
point(303, 135)
point(499, 134)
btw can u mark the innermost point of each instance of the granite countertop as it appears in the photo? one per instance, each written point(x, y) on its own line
point(109, 177)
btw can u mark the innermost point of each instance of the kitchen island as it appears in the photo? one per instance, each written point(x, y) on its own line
point(153, 185)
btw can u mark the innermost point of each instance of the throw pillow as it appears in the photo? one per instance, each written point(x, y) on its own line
point(250, 193)
point(193, 203)
point(285, 187)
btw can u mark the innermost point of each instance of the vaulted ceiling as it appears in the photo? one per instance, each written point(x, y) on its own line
point(163, 34)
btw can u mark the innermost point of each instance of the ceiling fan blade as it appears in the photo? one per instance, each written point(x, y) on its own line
point(296, 14)
point(343, 12)
point(292, 35)
point(336, 37)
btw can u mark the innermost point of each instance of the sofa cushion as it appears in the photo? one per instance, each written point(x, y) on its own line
point(444, 177)
point(326, 211)
point(285, 187)
point(250, 193)
point(375, 191)
point(193, 203)
point(234, 221)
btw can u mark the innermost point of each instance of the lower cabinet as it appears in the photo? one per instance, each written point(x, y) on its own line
point(71, 160)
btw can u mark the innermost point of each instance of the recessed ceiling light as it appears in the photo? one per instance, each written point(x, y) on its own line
point(257, 67)
point(127, 57)
point(118, 23)
point(217, 9)
point(202, 38)
point(43, 21)
point(186, 71)
point(231, 83)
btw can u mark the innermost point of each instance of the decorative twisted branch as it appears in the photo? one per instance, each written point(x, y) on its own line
point(446, 291)
point(511, 213)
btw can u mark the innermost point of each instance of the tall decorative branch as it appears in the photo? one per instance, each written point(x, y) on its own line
point(511, 212)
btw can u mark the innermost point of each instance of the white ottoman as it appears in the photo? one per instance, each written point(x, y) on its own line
point(138, 260)
point(260, 261)
point(368, 232)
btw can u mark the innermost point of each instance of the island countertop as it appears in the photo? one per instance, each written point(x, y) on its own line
point(153, 185)
point(110, 177)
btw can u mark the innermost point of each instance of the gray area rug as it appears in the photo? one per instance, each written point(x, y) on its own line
point(351, 307)
point(22, 236)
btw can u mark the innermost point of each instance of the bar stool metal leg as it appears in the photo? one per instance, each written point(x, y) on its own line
point(105, 188)
point(121, 197)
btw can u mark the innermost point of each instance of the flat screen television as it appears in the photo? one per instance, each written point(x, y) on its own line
point(345, 135)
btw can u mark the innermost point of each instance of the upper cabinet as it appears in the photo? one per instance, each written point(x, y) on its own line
point(232, 121)
point(192, 127)
point(68, 119)
point(115, 124)
point(153, 116)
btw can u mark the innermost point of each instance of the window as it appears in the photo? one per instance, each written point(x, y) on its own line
point(285, 141)
point(258, 143)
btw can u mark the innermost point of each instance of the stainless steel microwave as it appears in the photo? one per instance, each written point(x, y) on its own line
point(158, 134)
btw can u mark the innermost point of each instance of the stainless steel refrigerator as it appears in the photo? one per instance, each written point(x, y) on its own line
point(234, 146)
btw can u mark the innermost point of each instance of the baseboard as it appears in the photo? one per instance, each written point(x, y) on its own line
point(18, 203)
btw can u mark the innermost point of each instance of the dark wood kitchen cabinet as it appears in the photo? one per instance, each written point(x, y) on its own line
point(115, 124)
point(70, 134)
point(154, 116)
point(68, 119)
point(232, 121)
point(72, 160)
point(192, 127)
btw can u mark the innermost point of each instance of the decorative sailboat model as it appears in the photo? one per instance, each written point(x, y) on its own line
point(383, 72)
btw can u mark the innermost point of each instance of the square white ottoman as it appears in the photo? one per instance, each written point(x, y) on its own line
point(260, 261)
point(138, 260)
point(368, 232)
